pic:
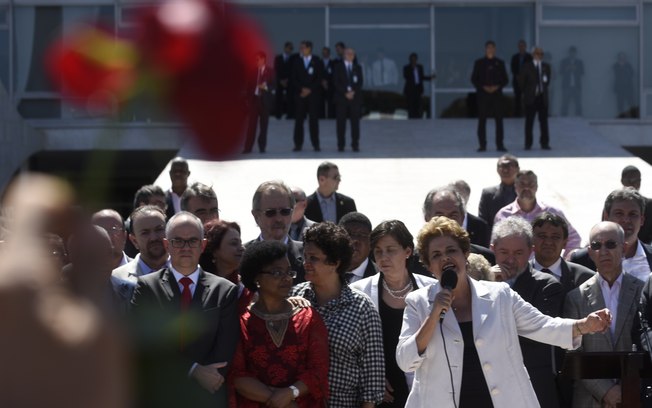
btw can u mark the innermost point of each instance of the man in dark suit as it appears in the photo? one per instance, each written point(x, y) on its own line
point(272, 207)
point(550, 233)
point(534, 81)
point(358, 226)
point(518, 61)
point(188, 324)
point(511, 241)
point(179, 173)
point(327, 109)
point(307, 74)
point(476, 227)
point(631, 177)
point(625, 207)
point(494, 198)
point(413, 88)
point(326, 204)
point(283, 70)
point(347, 83)
point(571, 70)
point(300, 223)
point(260, 101)
point(489, 77)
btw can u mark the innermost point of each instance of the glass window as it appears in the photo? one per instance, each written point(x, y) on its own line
point(455, 104)
point(594, 71)
point(566, 13)
point(291, 24)
point(648, 104)
point(4, 58)
point(388, 15)
point(647, 45)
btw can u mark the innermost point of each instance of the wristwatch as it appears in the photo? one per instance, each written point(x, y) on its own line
point(295, 392)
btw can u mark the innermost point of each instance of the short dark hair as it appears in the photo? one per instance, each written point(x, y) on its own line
point(215, 231)
point(287, 44)
point(489, 42)
point(427, 203)
point(394, 228)
point(340, 44)
point(197, 189)
point(355, 217)
point(325, 167)
point(413, 55)
point(528, 173)
point(139, 211)
point(555, 220)
point(334, 241)
point(624, 194)
point(630, 170)
point(146, 192)
point(510, 158)
point(307, 43)
point(271, 185)
point(257, 256)
point(179, 161)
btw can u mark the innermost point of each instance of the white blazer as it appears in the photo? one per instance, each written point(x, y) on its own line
point(500, 315)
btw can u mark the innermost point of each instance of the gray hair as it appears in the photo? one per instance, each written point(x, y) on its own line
point(271, 185)
point(183, 215)
point(624, 194)
point(512, 226)
point(427, 203)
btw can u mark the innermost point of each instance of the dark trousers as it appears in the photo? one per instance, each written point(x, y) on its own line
point(281, 103)
point(413, 100)
point(568, 96)
point(258, 112)
point(351, 109)
point(488, 104)
point(518, 100)
point(308, 106)
point(541, 109)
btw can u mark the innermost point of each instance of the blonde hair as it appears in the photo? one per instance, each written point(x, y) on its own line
point(479, 268)
point(441, 227)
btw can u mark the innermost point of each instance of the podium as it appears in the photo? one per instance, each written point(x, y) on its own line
point(626, 365)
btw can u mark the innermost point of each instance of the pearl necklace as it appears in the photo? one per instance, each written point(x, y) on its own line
point(396, 294)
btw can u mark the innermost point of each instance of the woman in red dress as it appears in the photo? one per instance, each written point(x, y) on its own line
point(282, 357)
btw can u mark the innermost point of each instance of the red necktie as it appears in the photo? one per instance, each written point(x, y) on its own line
point(186, 294)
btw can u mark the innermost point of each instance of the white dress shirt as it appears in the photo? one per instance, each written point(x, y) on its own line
point(610, 295)
point(358, 273)
point(554, 268)
point(637, 266)
point(193, 276)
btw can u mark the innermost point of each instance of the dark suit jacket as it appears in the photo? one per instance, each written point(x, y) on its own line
point(581, 256)
point(295, 256)
point(515, 64)
point(210, 331)
point(341, 82)
point(343, 206)
point(370, 270)
point(528, 80)
point(645, 234)
point(489, 72)
point(492, 200)
point(543, 291)
point(282, 68)
point(411, 87)
point(478, 230)
point(269, 78)
point(310, 77)
point(169, 211)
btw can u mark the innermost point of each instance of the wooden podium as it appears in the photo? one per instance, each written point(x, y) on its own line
point(626, 365)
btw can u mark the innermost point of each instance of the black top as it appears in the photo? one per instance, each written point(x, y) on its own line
point(474, 391)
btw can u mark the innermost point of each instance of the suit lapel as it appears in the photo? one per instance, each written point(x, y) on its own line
point(595, 301)
point(626, 299)
point(201, 291)
point(170, 287)
point(481, 306)
point(648, 255)
point(567, 278)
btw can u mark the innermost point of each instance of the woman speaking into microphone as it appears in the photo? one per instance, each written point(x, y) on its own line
point(460, 336)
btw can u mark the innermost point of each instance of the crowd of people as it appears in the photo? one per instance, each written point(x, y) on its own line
point(325, 309)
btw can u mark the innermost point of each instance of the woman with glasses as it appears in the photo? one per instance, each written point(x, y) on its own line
point(357, 369)
point(282, 356)
point(392, 245)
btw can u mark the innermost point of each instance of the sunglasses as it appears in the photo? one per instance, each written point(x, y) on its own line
point(597, 245)
point(271, 212)
point(278, 273)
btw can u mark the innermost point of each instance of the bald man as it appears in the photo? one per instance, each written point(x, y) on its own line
point(114, 225)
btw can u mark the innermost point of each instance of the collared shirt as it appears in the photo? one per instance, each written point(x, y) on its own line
point(637, 266)
point(554, 268)
point(176, 201)
point(358, 273)
point(146, 269)
point(125, 259)
point(193, 276)
point(574, 240)
point(415, 72)
point(611, 295)
point(306, 61)
point(355, 341)
point(465, 222)
point(285, 241)
point(328, 207)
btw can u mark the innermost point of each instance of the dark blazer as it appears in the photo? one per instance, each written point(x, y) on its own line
point(492, 200)
point(516, 66)
point(581, 256)
point(282, 68)
point(478, 230)
point(411, 87)
point(343, 206)
point(489, 72)
point(543, 291)
point(528, 80)
point(310, 77)
point(267, 96)
point(169, 345)
point(169, 211)
point(341, 82)
point(295, 256)
point(645, 233)
point(370, 270)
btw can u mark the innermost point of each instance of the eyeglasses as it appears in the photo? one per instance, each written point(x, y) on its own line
point(278, 273)
point(597, 245)
point(271, 212)
point(180, 243)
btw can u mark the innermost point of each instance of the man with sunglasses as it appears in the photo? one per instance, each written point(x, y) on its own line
point(615, 290)
point(272, 208)
point(625, 207)
point(187, 324)
point(326, 204)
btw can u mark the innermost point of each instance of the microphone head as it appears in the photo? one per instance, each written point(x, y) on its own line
point(448, 278)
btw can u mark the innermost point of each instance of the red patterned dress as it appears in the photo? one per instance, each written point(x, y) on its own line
point(302, 355)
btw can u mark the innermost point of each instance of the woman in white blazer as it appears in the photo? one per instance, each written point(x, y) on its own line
point(473, 359)
point(392, 245)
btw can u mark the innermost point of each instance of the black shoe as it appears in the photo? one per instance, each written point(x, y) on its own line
point(262, 151)
point(528, 147)
point(317, 149)
point(545, 147)
point(246, 151)
point(482, 149)
point(340, 149)
point(296, 149)
point(501, 149)
point(356, 149)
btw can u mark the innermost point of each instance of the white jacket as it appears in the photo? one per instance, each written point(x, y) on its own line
point(500, 315)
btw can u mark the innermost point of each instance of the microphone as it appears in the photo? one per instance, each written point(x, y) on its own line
point(448, 281)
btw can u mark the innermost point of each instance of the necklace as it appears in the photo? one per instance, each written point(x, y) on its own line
point(276, 323)
point(396, 294)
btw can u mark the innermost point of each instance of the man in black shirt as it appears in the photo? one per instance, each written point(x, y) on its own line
point(518, 60)
point(489, 77)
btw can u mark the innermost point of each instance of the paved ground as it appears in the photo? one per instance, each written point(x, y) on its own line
point(401, 160)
